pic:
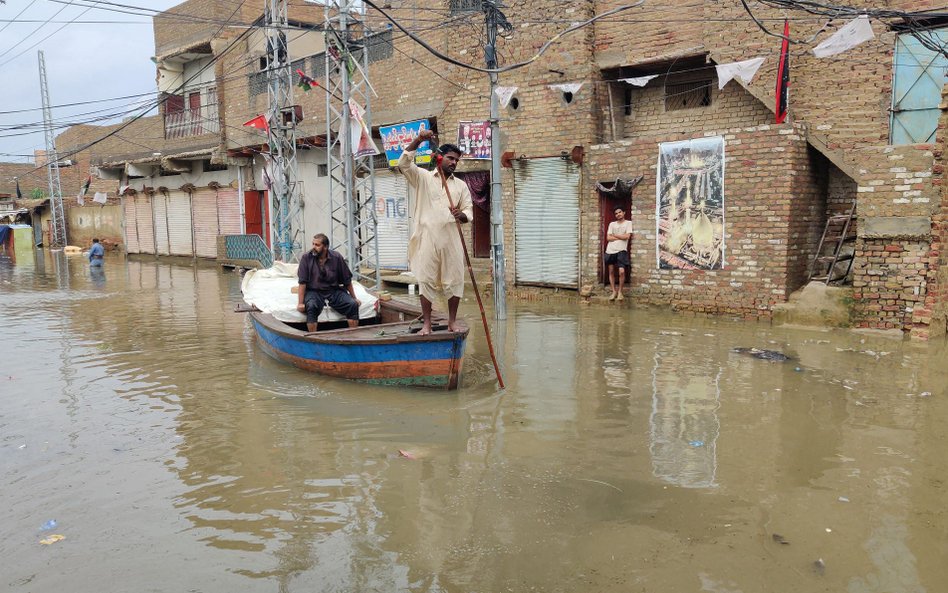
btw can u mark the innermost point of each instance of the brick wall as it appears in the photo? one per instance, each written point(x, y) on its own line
point(767, 209)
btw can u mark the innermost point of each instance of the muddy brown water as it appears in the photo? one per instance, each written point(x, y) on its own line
point(632, 451)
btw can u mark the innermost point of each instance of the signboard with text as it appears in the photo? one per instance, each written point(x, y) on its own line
point(395, 138)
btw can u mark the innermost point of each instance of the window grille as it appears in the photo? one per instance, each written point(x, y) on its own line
point(459, 6)
point(688, 95)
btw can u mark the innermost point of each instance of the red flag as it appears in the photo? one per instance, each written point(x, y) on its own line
point(782, 97)
point(259, 122)
point(305, 83)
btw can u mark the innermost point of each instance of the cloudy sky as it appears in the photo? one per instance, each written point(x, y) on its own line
point(91, 55)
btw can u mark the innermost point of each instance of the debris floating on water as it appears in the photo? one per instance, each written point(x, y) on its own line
point(49, 525)
point(696, 443)
point(780, 539)
point(52, 539)
point(819, 566)
point(842, 499)
point(406, 454)
point(771, 355)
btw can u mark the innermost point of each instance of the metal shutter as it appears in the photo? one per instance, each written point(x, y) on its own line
point(391, 209)
point(228, 212)
point(160, 203)
point(204, 217)
point(546, 221)
point(180, 233)
point(131, 225)
point(145, 218)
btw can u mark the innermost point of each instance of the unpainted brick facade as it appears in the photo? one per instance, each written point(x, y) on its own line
point(781, 181)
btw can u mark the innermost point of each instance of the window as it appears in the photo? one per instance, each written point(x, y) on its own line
point(687, 95)
point(916, 87)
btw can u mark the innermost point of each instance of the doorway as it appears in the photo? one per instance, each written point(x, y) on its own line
point(608, 202)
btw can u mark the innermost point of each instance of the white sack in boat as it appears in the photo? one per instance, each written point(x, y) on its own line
point(270, 291)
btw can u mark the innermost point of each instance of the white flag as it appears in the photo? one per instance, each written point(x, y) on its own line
point(504, 94)
point(360, 136)
point(100, 197)
point(572, 87)
point(744, 70)
point(638, 80)
point(849, 36)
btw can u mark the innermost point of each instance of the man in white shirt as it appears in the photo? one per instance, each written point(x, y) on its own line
point(435, 251)
point(617, 251)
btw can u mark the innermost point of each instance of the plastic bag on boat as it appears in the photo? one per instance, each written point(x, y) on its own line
point(270, 290)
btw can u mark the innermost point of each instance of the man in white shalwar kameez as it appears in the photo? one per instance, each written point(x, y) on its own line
point(435, 252)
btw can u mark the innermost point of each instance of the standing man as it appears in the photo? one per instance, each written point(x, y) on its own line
point(325, 278)
point(96, 253)
point(617, 251)
point(435, 252)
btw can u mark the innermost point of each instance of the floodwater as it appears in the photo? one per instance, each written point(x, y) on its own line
point(631, 451)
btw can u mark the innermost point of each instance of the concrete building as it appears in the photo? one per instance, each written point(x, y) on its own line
point(730, 207)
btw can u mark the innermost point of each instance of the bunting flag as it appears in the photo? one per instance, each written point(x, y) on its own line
point(504, 95)
point(849, 36)
point(782, 96)
point(100, 197)
point(81, 198)
point(19, 194)
point(572, 87)
point(306, 83)
point(259, 122)
point(638, 80)
point(744, 70)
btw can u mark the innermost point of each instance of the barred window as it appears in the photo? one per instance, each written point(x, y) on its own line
point(688, 95)
point(459, 6)
point(317, 66)
point(380, 46)
point(258, 83)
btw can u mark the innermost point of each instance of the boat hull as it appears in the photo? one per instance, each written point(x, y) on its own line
point(390, 355)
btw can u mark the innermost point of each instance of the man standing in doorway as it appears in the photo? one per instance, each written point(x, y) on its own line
point(435, 252)
point(96, 253)
point(324, 278)
point(617, 251)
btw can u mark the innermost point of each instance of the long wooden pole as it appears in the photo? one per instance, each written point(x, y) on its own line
point(470, 270)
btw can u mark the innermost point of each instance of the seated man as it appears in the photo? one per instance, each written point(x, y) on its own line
point(325, 278)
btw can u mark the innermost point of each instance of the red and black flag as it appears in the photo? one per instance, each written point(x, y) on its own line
point(783, 76)
point(306, 83)
point(19, 194)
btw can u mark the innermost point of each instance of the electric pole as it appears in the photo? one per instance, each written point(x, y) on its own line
point(353, 222)
point(58, 235)
point(494, 18)
point(282, 119)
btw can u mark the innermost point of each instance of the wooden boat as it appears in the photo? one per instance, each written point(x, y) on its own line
point(383, 350)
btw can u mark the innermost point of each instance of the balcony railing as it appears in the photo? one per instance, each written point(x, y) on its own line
point(183, 124)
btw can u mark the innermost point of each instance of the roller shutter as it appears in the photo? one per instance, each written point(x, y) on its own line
point(391, 210)
point(180, 231)
point(131, 225)
point(228, 212)
point(204, 216)
point(162, 244)
point(546, 218)
point(145, 218)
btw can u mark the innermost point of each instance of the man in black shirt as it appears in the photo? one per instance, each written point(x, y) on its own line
point(325, 279)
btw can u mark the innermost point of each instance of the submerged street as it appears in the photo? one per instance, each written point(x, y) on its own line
point(632, 450)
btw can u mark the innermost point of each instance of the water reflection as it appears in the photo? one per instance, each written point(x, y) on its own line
point(684, 425)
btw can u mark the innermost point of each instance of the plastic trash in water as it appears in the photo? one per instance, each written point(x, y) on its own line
point(51, 524)
point(52, 539)
point(406, 454)
point(696, 443)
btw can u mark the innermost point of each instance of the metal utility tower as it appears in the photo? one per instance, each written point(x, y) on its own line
point(58, 235)
point(354, 226)
point(282, 118)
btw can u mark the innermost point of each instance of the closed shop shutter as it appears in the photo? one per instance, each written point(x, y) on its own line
point(131, 225)
point(228, 212)
point(180, 232)
point(162, 245)
point(546, 219)
point(391, 210)
point(145, 217)
point(204, 215)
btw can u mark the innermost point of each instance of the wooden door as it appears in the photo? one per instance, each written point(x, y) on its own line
point(607, 206)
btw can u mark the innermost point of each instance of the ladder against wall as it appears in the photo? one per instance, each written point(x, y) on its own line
point(837, 233)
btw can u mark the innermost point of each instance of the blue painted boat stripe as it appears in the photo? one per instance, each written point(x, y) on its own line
point(422, 350)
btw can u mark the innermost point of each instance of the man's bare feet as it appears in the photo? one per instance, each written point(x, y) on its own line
point(425, 330)
point(453, 327)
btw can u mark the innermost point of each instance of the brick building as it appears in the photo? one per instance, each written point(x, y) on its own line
point(842, 143)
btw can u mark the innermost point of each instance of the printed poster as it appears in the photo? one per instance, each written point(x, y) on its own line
point(396, 138)
point(690, 204)
point(474, 139)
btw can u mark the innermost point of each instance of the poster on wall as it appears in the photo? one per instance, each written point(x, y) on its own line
point(474, 139)
point(396, 138)
point(689, 196)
